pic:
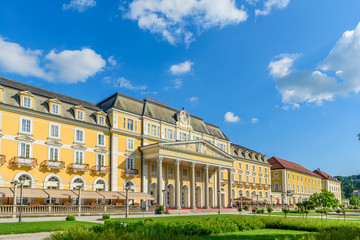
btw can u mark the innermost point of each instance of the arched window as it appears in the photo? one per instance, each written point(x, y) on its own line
point(130, 185)
point(266, 194)
point(53, 183)
point(78, 183)
point(247, 193)
point(260, 194)
point(100, 185)
point(26, 179)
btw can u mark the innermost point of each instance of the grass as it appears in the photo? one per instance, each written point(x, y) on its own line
point(264, 234)
point(34, 227)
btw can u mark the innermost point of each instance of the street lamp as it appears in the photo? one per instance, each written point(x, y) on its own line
point(164, 196)
point(127, 202)
point(79, 187)
point(271, 202)
point(21, 183)
point(257, 201)
point(241, 200)
point(219, 201)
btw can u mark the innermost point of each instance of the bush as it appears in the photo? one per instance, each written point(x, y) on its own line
point(239, 209)
point(246, 207)
point(70, 218)
point(254, 210)
point(270, 209)
point(161, 208)
point(106, 216)
point(261, 211)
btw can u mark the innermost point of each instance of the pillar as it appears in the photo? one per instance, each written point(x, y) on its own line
point(229, 188)
point(206, 186)
point(192, 186)
point(159, 182)
point(177, 185)
point(218, 171)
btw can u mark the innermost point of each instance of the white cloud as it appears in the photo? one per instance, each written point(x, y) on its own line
point(16, 59)
point(68, 66)
point(73, 66)
point(338, 74)
point(79, 5)
point(194, 99)
point(181, 68)
point(270, 4)
point(111, 60)
point(172, 18)
point(176, 83)
point(124, 83)
point(230, 117)
point(254, 120)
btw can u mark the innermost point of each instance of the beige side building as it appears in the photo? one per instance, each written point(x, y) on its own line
point(330, 183)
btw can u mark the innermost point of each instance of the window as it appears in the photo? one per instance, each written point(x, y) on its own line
point(294, 187)
point(100, 160)
point(130, 144)
point(276, 187)
point(170, 133)
point(153, 130)
point(247, 167)
point(254, 179)
point(101, 139)
point(293, 177)
point(240, 166)
point(298, 189)
point(101, 120)
point(130, 163)
point(79, 157)
point(247, 179)
point(170, 170)
point(130, 124)
point(55, 108)
point(26, 125)
point(53, 154)
point(276, 175)
point(27, 102)
point(25, 150)
point(260, 180)
point(79, 135)
point(266, 181)
point(79, 115)
point(288, 175)
point(153, 168)
point(198, 174)
point(266, 170)
point(260, 170)
point(54, 131)
point(185, 172)
point(184, 136)
point(253, 168)
point(289, 186)
point(297, 177)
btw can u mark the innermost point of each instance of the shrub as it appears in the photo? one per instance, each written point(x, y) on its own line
point(246, 207)
point(338, 211)
point(239, 210)
point(70, 218)
point(161, 208)
point(285, 211)
point(261, 211)
point(254, 210)
point(106, 216)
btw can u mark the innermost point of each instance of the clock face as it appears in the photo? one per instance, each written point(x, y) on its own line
point(184, 119)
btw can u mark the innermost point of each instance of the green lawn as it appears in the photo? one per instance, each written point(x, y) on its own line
point(263, 234)
point(33, 227)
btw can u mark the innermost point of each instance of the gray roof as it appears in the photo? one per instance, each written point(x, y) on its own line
point(236, 147)
point(158, 111)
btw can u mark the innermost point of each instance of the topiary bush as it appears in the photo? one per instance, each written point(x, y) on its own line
point(70, 218)
point(106, 216)
point(246, 207)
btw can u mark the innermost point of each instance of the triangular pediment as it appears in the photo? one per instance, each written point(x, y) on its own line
point(199, 146)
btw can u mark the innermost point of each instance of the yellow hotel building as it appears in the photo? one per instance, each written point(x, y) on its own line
point(291, 182)
point(53, 141)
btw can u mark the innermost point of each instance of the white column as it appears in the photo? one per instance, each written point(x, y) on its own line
point(145, 176)
point(216, 188)
point(230, 187)
point(284, 185)
point(177, 185)
point(114, 164)
point(206, 186)
point(192, 185)
point(159, 182)
point(219, 186)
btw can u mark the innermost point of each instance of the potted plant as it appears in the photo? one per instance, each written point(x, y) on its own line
point(269, 210)
point(67, 203)
point(94, 204)
point(36, 203)
point(239, 210)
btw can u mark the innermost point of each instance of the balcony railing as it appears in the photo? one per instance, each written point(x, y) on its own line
point(2, 159)
point(224, 182)
point(24, 162)
point(100, 169)
point(79, 167)
point(131, 172)
point(235, 183)
point(51, 164)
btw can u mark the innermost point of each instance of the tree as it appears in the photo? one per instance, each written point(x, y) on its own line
point(354, 201)
point(325, 198)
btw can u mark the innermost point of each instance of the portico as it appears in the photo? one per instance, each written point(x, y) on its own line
point(191, 174)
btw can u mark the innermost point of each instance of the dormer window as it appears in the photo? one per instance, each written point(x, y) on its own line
point(100, 118)
point(26, 102)
point(55, 108)
point(79, 115)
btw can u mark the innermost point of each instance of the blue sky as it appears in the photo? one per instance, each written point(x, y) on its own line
point(278, 76)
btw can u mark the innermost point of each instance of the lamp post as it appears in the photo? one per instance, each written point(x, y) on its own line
point(15, 183)
point(241, 200)
point(163, 191)
point(79, 198)
point(257, 201)
point(219, 202)
point(21, 183)
point(127, 201)
point(271, 202)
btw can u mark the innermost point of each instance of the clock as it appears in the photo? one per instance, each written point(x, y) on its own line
point(184, 119)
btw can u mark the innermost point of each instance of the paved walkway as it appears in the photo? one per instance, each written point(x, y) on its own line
point(26, 236)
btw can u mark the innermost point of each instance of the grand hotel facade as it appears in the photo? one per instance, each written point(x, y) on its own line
point(53, 141)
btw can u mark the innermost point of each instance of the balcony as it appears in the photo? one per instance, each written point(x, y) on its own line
point(100, 169)
point(24, 162)
point(131, 172)
point(51, 164)
point(247, 185)
point(2, 159)
point(79, 167)
point(235, 183)
point(224, 182)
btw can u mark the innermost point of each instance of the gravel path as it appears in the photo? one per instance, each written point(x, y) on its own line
point(26, 236)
